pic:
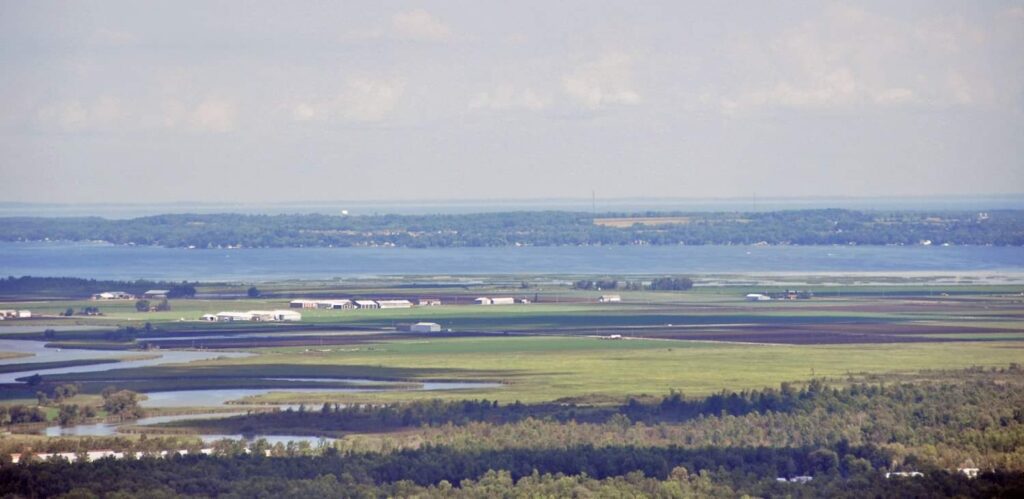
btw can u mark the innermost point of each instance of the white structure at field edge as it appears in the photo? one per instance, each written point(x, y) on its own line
point(425, 327)
point(255, 315)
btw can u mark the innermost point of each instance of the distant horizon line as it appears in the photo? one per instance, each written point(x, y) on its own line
point(585, 200)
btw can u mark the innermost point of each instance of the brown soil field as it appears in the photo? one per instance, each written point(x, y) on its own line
point(627, 222)
point(299, 340)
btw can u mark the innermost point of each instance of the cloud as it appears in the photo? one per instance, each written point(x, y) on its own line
point(362, 100)
point(105, 36)
point(213, 115)
point(103, 113)
point(602, 83)
point(419, 25)
point(508, 98)
point(849, 58)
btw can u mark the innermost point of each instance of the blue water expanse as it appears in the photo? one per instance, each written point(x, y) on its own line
point(105, 261)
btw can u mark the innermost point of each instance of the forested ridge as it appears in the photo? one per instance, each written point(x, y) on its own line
point(813, 440)
point(544, 228)
point(442, 472)
point(944, 424)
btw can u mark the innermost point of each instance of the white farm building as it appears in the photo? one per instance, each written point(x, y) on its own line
point(15, 314)
point(361, 304)
point(425, 327)
point(113, 295)
point(255, 315)
point(394, 303)
point(484, 300)
point(287, 315)
point(233, 316)
point(609, 299)
point(335, 304)
point(757, 297)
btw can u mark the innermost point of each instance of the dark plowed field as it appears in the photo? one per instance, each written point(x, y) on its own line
point(823, 334)
point(296, 340)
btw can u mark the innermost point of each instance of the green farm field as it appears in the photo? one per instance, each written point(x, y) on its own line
point(540, 369)
point(701, 341)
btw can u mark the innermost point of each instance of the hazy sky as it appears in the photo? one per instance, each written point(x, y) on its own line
point(138, 101)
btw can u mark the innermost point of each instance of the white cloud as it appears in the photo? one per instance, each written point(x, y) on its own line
point(213, 115)
point(101, 114)
point(602, 83)
point(508, 98)
point(304, 111)
point(107, 36)
point(419, 25)
point(849, 58)
point(362, 100)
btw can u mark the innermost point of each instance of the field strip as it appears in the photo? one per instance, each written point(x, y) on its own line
point(680, 340)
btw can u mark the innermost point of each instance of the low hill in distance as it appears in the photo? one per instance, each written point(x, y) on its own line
point(539, 228)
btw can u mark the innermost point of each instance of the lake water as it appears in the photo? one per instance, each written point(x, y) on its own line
point(40, 353)
point(105, 261)
point(110, 429)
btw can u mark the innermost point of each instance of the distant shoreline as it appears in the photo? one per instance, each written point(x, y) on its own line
point(817, 227)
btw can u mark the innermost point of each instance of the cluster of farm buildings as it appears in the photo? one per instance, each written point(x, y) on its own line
point(346, 304)
point(153, 294)
point(254, 315)
point(789, 294)
point(15, 314)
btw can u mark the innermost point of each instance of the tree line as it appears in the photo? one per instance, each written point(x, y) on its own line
point(438, 471)
point(543, 228)
point(29, 286)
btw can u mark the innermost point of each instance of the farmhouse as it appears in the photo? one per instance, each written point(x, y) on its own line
point(287, 315)
point(302, 304)
point(261, 315)
point(361, 304)
point(233, 316)
point(609, 299)
point(113, 295)
point(255, 315)
point(495, 301)
point(394, 304)
point(156, 293)
point(335, 304)
point(425, 327)
point(15, 314)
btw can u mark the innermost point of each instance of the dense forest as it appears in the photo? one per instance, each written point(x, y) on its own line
point(813, 440)
point(619, 471)
point(549, 228)
point(945, 424)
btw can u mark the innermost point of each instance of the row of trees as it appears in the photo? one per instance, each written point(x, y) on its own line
point(658, 284)
point(146, 306)
point(805, 227)
point(28, 286)
point(443, 472)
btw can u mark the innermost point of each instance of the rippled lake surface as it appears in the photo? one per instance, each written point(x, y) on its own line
point(106, 261)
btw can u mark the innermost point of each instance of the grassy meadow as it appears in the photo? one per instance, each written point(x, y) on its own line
point(700, 341)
